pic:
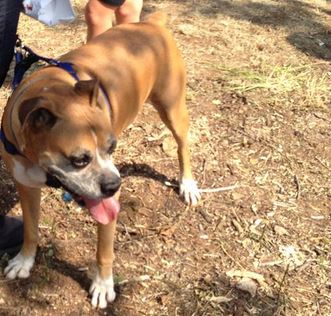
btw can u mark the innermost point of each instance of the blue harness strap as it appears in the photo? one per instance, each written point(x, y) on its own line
point(25, 58)
point(9, 147)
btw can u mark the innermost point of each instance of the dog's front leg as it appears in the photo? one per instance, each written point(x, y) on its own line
point(21, 265)
point(175, 117)
point(102, 288)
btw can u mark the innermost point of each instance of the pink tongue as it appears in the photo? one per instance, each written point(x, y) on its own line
point(103, 211)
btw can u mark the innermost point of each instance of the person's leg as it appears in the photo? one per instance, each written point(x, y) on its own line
point(9, 14)
point(98, 14)
point(11, 229)
point(129, 12)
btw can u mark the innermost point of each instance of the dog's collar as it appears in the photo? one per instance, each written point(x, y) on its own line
point(9, 147)
point(23, 63)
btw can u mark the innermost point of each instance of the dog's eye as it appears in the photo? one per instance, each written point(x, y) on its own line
point(81, 161)
point(112, 146)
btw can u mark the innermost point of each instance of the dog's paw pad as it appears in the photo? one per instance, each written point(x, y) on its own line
point(19, 266)
point(102, 291)
point(188, 189)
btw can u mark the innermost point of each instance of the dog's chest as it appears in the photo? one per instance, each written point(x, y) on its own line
point(33, 177)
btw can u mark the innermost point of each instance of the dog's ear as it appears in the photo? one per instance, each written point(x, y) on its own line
point(32, 113)
point(89, 88)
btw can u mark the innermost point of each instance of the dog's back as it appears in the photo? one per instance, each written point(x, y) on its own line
point(158, 18)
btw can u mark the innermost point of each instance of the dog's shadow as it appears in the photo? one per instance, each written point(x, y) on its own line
point(145, 171)
point(84, 279)
point(69, 270)
point(9, 196)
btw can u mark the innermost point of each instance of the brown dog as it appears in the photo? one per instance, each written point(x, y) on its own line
point(65, 130)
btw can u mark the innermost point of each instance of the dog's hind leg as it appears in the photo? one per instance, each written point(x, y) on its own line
point(21, 265)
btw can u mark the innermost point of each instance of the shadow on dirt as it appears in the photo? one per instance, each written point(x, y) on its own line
point(190, 300)
point(8, 192)
point(144, 171)
point(9, 195)
point(306, 31)
point(69, 270)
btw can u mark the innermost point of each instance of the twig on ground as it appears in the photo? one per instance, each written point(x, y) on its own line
point(8, 281)
point(283, 280)
point(322, 163)
point(221, 189)
point(233, 259)
point(207, 190)
point(297, 183)
point(204, 171)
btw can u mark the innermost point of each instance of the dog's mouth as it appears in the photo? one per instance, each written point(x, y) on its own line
point(103, 210)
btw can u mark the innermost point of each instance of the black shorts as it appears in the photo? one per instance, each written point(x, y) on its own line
point(115, 3)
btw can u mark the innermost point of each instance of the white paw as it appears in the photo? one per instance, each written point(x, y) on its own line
point(189, 191)
point(102, 291)
point(19, 266)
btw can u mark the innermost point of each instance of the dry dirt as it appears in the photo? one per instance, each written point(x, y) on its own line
point(259, 98)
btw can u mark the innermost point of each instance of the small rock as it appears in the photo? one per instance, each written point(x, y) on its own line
point(280, 230)
point(237, 196)
point(83, 269)
point(186, 29)
point(254, 208)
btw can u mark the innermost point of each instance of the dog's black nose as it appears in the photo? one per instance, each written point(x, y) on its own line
point(110, 186)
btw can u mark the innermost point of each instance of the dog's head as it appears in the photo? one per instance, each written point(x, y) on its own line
point(67, 131)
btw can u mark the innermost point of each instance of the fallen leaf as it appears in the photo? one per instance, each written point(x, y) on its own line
point(247, 285)
point(220, 299)
point(247, 274)
point(237, 225)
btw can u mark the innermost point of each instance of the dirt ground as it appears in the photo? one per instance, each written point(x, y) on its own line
point(259, 81)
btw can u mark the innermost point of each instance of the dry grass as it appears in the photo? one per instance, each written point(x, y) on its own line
point(283, 83)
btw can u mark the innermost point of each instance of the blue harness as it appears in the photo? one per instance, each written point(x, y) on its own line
point(9, 147)
point(25, 58)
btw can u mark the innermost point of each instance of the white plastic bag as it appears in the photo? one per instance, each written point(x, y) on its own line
point(49, 12)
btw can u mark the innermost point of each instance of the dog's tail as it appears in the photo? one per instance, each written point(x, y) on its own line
point(159, 18)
